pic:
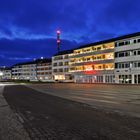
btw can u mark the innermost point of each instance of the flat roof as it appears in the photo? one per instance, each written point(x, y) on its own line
point(37, 61)
point(64, 52)
point(110, 40)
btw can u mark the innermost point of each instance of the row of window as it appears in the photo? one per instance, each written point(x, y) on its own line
point(128, 42)
point(61, 64)
point(49, 68)
point(127, 65)
point(43, 73)
point(61, 70)
point(61, 57)
point(127, 53)
point(92, 49)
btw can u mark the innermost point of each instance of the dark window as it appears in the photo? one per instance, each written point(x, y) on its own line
point(116, 55)
point(135, 41)
point(139, 64)
point(60, 63)
point(135, 64)
point(60, 70)
point(127, 42)
point(116, 44)
point(135, 52)
point(121, 43)
point(138, 52)
point(116, 65)
point(127, 65)
point(123, 66)
point(139, 40)
point(127, 54)
point(121, 54)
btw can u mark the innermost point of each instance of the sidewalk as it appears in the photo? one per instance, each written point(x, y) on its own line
point(10, 127)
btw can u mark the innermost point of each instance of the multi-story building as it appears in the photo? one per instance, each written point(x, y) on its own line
point(93, 63)
point(60, 66)
point(44, 70)
point(38, 70)
point(115, 60)
point(5, 73)
point(127, 59)
point(24, 71)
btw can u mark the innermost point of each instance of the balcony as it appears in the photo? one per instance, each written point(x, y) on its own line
point(92, 53)
point(93, 62)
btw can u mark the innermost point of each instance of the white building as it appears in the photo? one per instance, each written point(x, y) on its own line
point(60, 67)
point(24, 71)
point(38, 70)
point(44, 70)
point(5, 73)
point(127, 59)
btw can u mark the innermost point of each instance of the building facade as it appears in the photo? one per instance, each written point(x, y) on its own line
point(24, 71)
point(60, 67)
point(5, 74)
point(93, 63)
point(44, 70)
point(127, 59)
point(115, 60)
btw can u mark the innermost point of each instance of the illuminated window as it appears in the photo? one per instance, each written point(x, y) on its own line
point(59, 77)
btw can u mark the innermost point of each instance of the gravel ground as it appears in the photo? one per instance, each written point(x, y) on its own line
point(47, 117)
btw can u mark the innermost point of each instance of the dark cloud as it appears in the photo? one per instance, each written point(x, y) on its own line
point(27, 27)
point(18, 50)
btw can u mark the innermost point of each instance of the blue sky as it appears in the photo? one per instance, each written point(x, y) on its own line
point(28, 27)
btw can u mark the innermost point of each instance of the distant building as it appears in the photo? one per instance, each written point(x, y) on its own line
point(61, 67)
point(38, 70)
point(44, 70)
point(5, 73)
point(24, 71)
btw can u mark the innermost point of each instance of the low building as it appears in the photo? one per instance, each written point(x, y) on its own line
point(60, 67)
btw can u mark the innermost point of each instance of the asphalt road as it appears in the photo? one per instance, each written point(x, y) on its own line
point(124, 99)
point(47, 117)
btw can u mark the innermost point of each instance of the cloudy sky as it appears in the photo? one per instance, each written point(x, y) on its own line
point(28, 27)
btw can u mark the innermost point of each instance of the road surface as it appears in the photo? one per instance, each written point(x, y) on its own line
point(47, 117)
point(124, 99)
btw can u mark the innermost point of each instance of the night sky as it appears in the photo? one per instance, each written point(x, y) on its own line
point(28, 27)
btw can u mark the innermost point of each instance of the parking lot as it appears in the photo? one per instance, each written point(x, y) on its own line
point(124, 99)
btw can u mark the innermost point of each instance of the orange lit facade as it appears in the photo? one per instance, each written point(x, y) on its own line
point(93, 63)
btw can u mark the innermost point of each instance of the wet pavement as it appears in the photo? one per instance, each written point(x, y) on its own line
point(47, 117)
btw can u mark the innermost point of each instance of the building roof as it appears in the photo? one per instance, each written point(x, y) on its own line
point(110, 40)
point(45, 60)
point(37, 61)
point(5, 68)
point(64, 52)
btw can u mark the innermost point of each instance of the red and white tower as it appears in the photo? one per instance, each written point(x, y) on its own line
point(58, 40)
